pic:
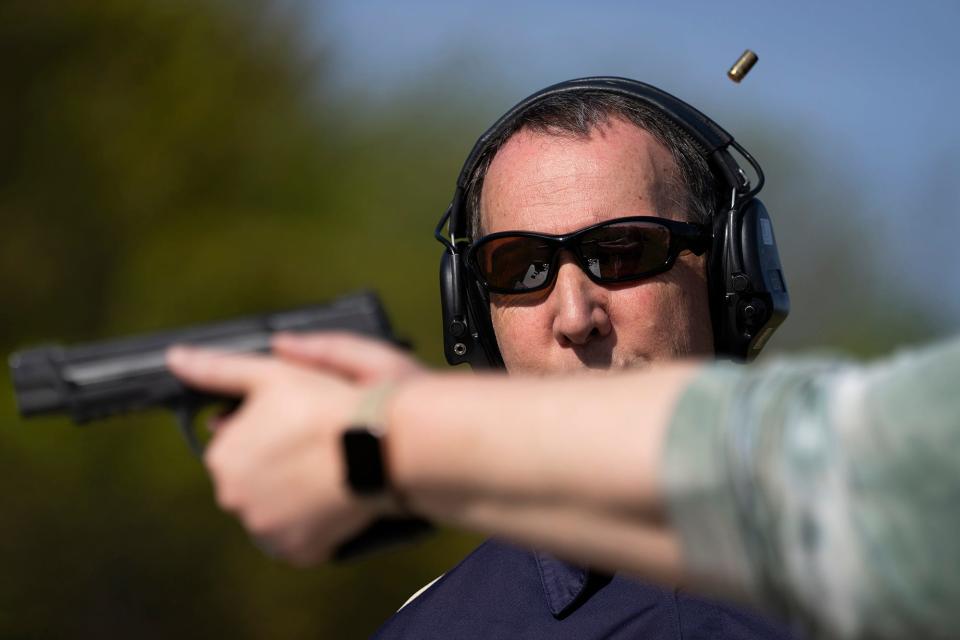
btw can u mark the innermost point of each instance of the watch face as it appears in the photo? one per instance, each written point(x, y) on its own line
point(364, 457)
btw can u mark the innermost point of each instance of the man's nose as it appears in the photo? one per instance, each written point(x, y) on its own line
point(579, 305)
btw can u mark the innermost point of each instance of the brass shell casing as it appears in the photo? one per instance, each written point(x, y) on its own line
point(742, 66)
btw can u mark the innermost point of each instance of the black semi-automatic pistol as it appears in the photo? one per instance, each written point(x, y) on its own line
point(100, 379)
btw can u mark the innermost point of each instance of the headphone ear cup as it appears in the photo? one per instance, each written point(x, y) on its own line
point(456, 330)
point(467, 331)
point(769, 303)
point(746, 273)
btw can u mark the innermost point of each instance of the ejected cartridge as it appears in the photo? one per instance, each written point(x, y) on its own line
point(742, 66)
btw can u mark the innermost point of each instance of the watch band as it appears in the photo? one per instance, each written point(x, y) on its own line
point(363, 444)
point(364, 452)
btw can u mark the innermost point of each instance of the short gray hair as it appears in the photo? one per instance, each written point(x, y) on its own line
point(577, 113)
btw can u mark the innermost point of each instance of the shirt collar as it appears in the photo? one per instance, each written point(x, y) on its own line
point(563, 583)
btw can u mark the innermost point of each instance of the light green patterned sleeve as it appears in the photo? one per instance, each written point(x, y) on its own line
point(827, 491)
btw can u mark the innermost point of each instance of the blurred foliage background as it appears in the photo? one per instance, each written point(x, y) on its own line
point(170, 163)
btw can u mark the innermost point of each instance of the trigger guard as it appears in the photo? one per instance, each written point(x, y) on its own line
point(185, 417)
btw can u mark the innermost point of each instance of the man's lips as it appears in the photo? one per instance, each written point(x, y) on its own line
point(603, 359)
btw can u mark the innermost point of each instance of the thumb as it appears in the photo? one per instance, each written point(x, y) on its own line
point(226, 373)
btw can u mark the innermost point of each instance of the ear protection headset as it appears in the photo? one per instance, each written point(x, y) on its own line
point(748, 296)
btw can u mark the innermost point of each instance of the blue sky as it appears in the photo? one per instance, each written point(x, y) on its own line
point(871, 88)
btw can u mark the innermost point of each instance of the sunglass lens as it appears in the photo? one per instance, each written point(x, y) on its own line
point(625, 250)
point(515, 263)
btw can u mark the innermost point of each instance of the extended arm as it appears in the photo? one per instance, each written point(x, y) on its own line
point(824, 491)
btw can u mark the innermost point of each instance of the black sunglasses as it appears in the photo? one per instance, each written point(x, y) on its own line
point(618, 250)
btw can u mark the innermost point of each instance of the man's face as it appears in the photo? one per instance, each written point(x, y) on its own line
point(553, 184)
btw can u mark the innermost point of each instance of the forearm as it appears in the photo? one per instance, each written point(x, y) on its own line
point(822, 490)
point(537, 461)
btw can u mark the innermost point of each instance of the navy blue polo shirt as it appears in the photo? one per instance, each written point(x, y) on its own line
point(502, 591)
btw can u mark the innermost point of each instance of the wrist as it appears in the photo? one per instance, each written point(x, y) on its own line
point(368, 445)
point(431, 434)
point(413, 449)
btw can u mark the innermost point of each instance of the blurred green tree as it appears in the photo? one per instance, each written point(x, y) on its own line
point(122, 119)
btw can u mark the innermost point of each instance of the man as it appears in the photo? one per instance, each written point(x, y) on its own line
point(569, 162)
point(566, 165)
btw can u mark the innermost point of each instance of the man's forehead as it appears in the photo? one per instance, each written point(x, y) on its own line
point(556, 183)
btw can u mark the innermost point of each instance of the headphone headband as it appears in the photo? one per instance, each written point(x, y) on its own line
point(705, 132)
